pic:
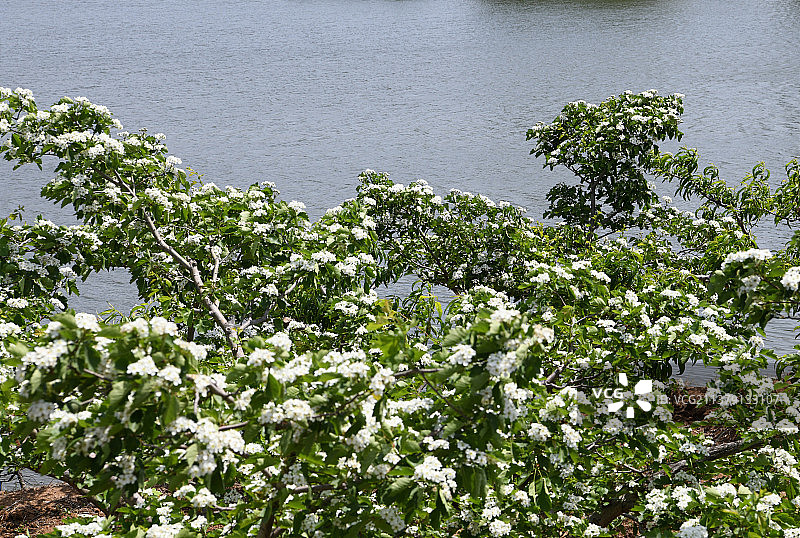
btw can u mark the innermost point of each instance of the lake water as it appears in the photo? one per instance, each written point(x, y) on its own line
point(309, 93)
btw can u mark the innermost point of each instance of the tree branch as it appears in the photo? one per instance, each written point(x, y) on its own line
point(625, 502)
point(442, 396)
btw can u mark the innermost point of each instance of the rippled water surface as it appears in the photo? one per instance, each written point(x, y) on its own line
point(309, 93)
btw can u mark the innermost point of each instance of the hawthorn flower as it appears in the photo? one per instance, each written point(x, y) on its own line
point(12, 328)
point(204, 498)
point(171, 374)
point(682, 497)
point(393, 517)
point(504, 315)
point(745, 255)
point(87, 322)
point(543, 335)
point(750, 283)
point(143, 367)
point(161, 326)
point(768, 502)
point(499, 528)
point(139, 326)
point(786, 426)
point(791, 279)
point(383, 378)
point(538, 432)
point(261, 356)
point(432, 470)
point(656, 501)
point(199, 351)
point(698, 339)
point(693, 529)
point(592, 530)
point(89, 529)
point(17, 303)
point(46, 357)
point(280, 340)
point(461, 354)
point(40, 411)
point(164, 531)
point(724, 489)
point(501, 364)
point(571, 437)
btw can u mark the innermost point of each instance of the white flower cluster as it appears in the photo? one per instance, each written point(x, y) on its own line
point(383, 378)
point(143, 367)
point(784, 461)
point(164, 531)
point(46, 357)
point(432, 470)
point(90, 529)
point(499, 527)
point(350, 364)
point(7, 329)
point(393, 517)
point(656, 501)
point(768, 502)
point(199, 351)
point(692, 529)
point(743, 256)
point(538, 432)
point(791, 279)
point(40, 411)
point(161, 326)
point(571, 436)
point(202, 382)
point(297, 367)
point(543, 335)
point(293, 410)
point(280, 340)
point(87, 322)
point(501, 364)
point(260, 356)
point(461, 354)
point(138, 325)
point(204, 498)
point(217, 441)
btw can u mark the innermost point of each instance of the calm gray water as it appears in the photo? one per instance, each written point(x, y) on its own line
point(309, 93)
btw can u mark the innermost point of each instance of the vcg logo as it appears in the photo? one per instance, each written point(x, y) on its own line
point(645, 386)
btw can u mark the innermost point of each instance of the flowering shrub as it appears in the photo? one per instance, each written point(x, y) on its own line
point(268, 386)
point(610, 147)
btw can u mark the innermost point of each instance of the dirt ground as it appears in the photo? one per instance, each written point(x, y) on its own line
point(36, 511)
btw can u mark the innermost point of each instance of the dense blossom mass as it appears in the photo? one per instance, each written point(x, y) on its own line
point(270, 385)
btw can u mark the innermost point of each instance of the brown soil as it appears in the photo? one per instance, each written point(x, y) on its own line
point(36, 511)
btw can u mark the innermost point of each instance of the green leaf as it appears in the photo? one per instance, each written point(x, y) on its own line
point(170, 410)
point(398, 489)
point(18, 349)
point(191, 454)
point(455, 336)
point(119, 392)
point(36, 381)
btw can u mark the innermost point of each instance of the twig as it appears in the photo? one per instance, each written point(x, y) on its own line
point(440, 395)
point(233, 426)
point(415, 371)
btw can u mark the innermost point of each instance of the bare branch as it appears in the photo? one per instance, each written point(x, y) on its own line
point(624, 503)
point(414, 371)
point(236, 426)
point(443, 397)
